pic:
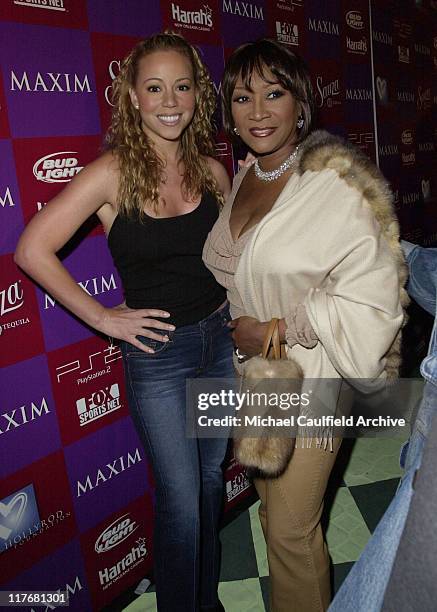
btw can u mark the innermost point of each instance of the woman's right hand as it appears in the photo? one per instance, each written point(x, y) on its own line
point(126, 324)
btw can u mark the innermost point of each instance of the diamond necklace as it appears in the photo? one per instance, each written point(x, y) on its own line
point(272, 175)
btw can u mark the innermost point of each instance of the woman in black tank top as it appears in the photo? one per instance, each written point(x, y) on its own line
point(157, 191)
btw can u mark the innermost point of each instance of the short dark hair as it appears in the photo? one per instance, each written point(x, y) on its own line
point(287, 66)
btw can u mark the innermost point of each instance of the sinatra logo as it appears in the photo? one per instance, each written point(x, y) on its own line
point(287, 33)
point(323, 27)
point(424, 100)
point(407, 137)
point(116, 533)
point(50, 82)
point(7, 199)
point(114, 354)
point(361, 95)
point(51, 5)
point(243, 9)
point(93, 286)
point(113, 69)
point(109, 575)
point(108, 471)
point(382, 37)
point(354, 20)
point(22, 415)
point(327, 92)
point(356, 46)
point(98, 404)
point(192, 18)
point(57, 167)
point(18, 513)
point(382, 89)
point(237, 485)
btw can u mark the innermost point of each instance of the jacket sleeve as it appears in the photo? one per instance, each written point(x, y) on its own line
point(356, 313)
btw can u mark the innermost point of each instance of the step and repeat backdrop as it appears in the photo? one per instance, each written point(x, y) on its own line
point(76, 491)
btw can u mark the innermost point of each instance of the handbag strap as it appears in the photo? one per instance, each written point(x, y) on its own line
point(271, 339)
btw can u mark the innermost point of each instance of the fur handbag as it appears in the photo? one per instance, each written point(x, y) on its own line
point(266, 453)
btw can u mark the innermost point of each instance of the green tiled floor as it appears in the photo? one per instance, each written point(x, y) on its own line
point(364, 481)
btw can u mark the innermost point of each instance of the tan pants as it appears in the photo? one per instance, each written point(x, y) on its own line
point(290, 512)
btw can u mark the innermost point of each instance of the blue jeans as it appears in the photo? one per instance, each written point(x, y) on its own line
point(187, 471)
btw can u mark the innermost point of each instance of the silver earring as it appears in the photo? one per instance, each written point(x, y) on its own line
point(236, 132)
point(300, 123)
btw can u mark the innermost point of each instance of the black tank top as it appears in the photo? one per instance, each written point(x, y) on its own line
point(160, 263)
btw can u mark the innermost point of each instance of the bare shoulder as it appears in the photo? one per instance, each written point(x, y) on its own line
point(221, 175)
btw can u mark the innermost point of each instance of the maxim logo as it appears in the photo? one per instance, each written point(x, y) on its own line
point(323, 27)
point(287, 33)
point(358, 94)
point(407, 137)
point(406, 96)
point(51, 5)
point(113, 69)
point(110, 470)
point(424, 99)
point(422, 49)
point(356, 46)
point(12, 298)
point(69, 590)
point(22, 415)
point(7, 199)
point(98, 404)
point(354, 20)
point(116, 533)
point(243, 9)
point(388, 150)
point(382, 37)
point(327, 92)
point(110, 574)
point(192, 18)
point(426, 147)
point(93, 286)
point(411, 198)
point(57, 167)
point(50, 81)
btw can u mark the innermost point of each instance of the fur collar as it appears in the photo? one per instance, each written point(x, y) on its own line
point(321, 150)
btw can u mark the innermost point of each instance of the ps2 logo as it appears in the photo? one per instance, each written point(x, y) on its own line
point(11, 298)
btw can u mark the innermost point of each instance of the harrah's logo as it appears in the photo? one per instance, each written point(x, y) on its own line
point(199, 18)
point(105, 473)
point(327, 92)
point(116, 533)
point(59, 167)
point(50, 82)
point(243, 9)
point(323, 27)
point(51, 5)
point(354, 20)
point(110, 574)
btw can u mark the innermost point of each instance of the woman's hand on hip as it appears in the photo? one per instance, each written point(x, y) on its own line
point(248, 335)
point(126, 323)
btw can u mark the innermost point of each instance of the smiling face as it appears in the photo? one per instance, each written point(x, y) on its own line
point(265, 115)
point(164, 95)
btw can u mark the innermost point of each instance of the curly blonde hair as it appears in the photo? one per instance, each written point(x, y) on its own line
point(141, 169)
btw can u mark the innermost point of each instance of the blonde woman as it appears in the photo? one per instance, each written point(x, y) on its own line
point(157, 191)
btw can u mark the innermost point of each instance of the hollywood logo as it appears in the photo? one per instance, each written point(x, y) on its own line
point(287, 33)
point(382, 89)
point(327, 93)
point(18, 514)
point(356, 46)
point(407, 137)
point(404, 54)
point(51, 5)
point(354, 20)
point(109, 575)
point(243, 9)
point(424, 99)
point(93, 286)
point(116, 533)
point(323, 27)
point(113, 69)
point(237, 485)
point(384, 38)
point(201, 20)
point(50, 82)
point(7, 199)
point(426, 189)
point(92, 369)
point(57, 167)
point(107, 472)
point(98, 404)
point(22, 415)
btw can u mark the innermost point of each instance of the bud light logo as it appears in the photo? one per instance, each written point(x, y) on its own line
point(57, 167)
point(116, 533)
